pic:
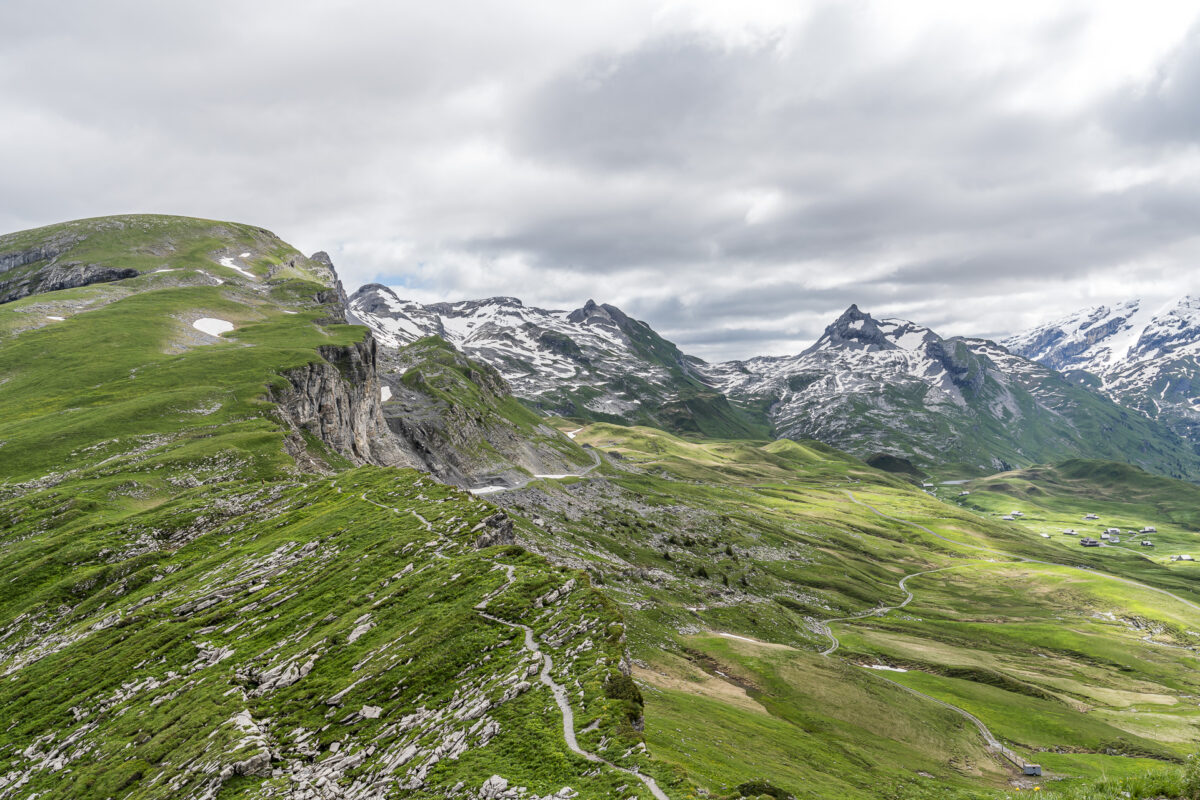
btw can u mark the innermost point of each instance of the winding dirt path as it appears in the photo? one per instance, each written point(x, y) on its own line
point(561, 699)
point(485, 490)
point(881, 610)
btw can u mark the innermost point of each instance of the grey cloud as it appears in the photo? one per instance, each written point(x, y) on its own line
point(734, 191)
point(1166, 110)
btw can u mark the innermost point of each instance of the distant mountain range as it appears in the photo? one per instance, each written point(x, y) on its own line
point(1142, 356)
point(871, 387)
point(593, 362)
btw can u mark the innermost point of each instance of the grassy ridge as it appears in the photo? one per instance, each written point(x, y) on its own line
point(187, 614)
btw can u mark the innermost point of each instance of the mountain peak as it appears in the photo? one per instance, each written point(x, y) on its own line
point(854, 330)
point(597, 312)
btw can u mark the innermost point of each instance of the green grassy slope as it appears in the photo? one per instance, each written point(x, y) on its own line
point(705, 541)
point(187, 613)
point(304, 629)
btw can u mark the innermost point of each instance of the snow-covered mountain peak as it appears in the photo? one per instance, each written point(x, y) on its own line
point(1173, 328)
point(1103, 339)
point(1144, 355)
point(594, 360)
point(858, 330)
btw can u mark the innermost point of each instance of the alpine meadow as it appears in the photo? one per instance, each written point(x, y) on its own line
point(648, 400)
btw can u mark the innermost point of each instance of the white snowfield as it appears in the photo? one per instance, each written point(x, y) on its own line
point(56, 319)
point(1103, 339)
point(489, 489)
point(385, 393)
point(212, 326)
point(226, 261)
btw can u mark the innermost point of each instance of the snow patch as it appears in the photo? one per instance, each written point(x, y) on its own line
point(385, 393)
point(212, 326)
point(885, 667)
point(56, 319)
point(226, 261)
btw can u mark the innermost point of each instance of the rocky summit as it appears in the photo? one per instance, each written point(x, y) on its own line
point(593, 362)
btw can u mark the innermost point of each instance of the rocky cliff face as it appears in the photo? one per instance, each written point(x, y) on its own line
point(338, 402)
point(36, 269)
point(55, 276)
point(457, 418)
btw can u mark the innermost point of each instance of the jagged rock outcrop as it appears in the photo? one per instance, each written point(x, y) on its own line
point(46, 251)
point(337, 401)
point(457, 418)
point(494, 530)
point(34, 268)
point(853, 330)
point(54, 277)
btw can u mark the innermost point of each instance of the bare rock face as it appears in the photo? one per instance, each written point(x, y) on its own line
point(52, 276)
point(35, 269)
point(337, 401)
point(495, 530)
point(48, 250)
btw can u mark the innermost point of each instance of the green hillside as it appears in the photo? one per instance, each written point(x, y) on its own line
point(733, 560)
point(189, 614)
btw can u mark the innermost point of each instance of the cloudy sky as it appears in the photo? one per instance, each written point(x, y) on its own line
point(734, 173)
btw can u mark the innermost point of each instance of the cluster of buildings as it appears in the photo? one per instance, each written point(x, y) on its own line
point(1110, 535)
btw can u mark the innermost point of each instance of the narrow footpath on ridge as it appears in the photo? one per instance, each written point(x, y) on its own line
point(561, 698)
point(558, 690)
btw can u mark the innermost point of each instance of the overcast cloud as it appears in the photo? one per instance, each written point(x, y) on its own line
point(735, 174)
